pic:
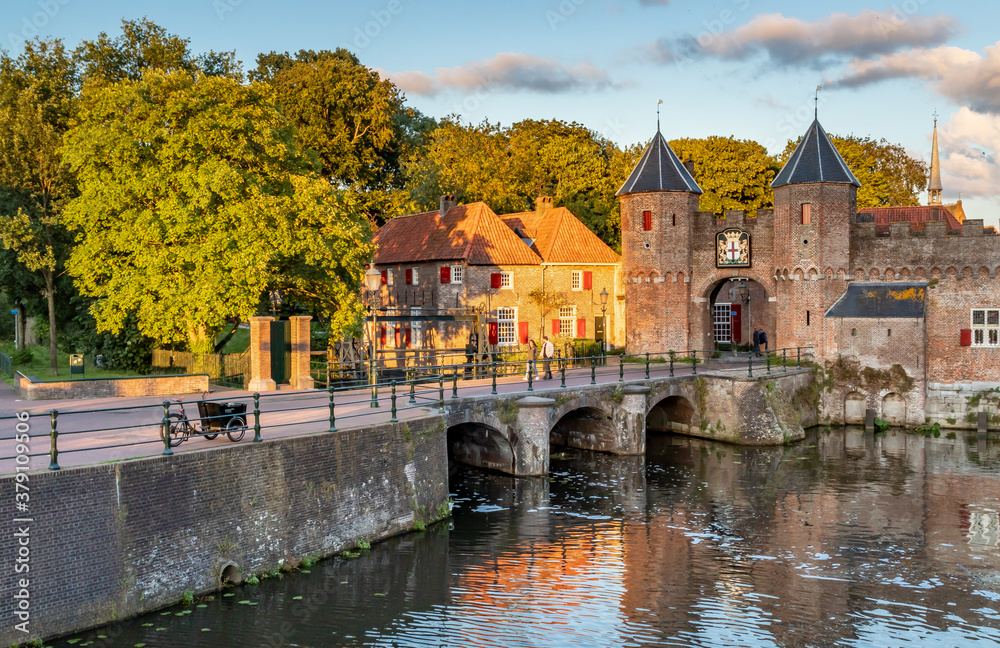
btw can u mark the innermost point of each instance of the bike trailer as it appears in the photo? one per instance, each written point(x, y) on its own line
point(215, 416)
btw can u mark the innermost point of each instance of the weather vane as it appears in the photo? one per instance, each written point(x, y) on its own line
point(658, 102)
point(816, 109)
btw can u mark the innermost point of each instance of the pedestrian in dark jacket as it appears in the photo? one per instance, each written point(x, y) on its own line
point(763, 339)
point(756, 343)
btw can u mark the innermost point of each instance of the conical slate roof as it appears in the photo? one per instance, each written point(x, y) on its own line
point(659, 170)
point(815, 160)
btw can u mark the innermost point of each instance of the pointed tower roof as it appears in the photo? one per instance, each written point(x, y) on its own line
point(659, 169)
point(934, 188)
point(815, 159)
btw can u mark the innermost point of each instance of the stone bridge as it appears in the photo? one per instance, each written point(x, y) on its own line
point(513, 433)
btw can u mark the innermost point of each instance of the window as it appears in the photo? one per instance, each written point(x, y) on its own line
point(415, 276)
point(647, 220)
point(673, 220)
point(806, 214)
point(567, 321)
point(416, 327)
point(722, 323)
point(506, 280)
point(577, 282)
point(456, 274)
point(506, 326)
point(985, 327)
point(807, 318)
point(389, 276)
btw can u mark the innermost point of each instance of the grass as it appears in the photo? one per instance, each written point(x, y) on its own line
point(239, 343)
point(39, 365)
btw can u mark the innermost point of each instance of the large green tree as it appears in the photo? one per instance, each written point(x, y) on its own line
point(734, 174)
point(889, 176)
point(352, 119)
point(37, 93)
point(195, 199)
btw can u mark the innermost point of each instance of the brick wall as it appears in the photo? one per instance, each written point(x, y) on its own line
point(31, 388)
point(116, 540)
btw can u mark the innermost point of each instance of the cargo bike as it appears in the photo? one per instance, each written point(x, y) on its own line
point(215, 419)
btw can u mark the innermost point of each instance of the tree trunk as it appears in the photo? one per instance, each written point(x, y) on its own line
point(50, 294)
point(22, 329)
point(224, 341)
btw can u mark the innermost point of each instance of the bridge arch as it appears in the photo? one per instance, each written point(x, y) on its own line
point(675, 413)
point(583, 425)
point(481, 445)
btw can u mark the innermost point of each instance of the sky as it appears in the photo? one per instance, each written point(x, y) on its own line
point(747, 68)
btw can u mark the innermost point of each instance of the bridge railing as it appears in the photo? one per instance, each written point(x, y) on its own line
point(364, 401)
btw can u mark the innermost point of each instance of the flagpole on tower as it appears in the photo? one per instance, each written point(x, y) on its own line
point(658, 102)
point(816, 108)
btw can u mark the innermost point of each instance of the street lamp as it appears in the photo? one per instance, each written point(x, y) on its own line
point(745, 296)
point(275, 297)
point(604, 321)
point(373, 281)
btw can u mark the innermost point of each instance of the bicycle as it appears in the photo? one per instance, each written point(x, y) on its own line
point(215, 418)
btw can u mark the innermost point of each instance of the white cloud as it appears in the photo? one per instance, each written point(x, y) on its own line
point(964, 76)
point(505, 71)
point(969, 143)
point(795, 42)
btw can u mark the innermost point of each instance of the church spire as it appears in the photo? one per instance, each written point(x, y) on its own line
point(934, 188)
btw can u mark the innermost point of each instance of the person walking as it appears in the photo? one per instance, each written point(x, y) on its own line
point(756, 342)
point(529, 366)
point(548, 352)
point(763, 340)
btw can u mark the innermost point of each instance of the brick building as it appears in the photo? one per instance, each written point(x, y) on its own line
point(528, 274)
point(902, 303)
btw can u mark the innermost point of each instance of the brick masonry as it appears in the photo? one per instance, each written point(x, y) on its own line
point(33, 389)
point(115, 540)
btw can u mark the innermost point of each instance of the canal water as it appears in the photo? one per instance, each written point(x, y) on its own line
point(846, 539)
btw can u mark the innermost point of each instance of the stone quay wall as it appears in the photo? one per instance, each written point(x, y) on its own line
point(31, 388)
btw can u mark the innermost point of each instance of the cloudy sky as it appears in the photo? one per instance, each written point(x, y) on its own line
point(747, 68)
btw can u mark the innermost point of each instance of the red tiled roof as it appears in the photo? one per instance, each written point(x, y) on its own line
point(472, 233)
point(560, 237)
point(922, 214)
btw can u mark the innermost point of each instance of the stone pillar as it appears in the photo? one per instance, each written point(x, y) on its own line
point(531, 451)
point(301, 339)
point(260, 354)
point(630, 421)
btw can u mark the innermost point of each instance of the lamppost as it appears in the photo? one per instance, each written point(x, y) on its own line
point(604, 321)
point(745, 296)
point(373, 281)
point(275, 297)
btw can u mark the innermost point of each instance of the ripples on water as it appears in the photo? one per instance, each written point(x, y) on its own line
point(844, 540)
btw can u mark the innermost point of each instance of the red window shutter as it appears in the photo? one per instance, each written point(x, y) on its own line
point(965, 337)
point(396, 338)
point(581, 327)
point(494, 333)
point(409, 275)
point(555, 327)
point(588, 280)
point(647, 220)
point(522, 332)
point(385, 277)
point(408, 338)
point(495, 280)
point(445, 274)
point(382, 335)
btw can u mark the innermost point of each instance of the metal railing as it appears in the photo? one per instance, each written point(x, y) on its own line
point(6, 365)
point(421, 388)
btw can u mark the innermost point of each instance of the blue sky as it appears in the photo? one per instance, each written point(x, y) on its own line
point(734, 67)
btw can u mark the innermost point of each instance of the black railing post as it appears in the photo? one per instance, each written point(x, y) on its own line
point(441, 391)
point(333, 417)
point(593, 370)
point(256, 418)
point(750, 365)
point(454, 384)
point(562, 372)
point(54, 447)
point(393, 419)
point(621, 368)
point(694, 362)
point(647, 365)
point(671, 364)
point(413, 386)
point(530, 373)
point(784, 360)
point(798, 356)
point(165, 423)
point(327, 373)
point(494, 363)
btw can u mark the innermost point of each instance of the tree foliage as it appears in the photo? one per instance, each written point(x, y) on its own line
point(194, 200)
point(889, 176)
point(734, 174)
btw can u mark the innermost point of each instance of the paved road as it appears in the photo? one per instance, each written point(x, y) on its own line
point(95, 431)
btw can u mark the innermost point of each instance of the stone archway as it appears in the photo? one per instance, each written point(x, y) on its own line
point(672, 414)
point(737, 305)
point(894, 409)
point(854, 409)
point(482, 446)
point(588, 428)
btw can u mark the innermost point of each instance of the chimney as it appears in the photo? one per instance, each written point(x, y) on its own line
point(447, 202)
point(689, 165)
point(542, 205)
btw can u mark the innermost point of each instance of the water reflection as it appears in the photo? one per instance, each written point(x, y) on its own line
point(847, 539)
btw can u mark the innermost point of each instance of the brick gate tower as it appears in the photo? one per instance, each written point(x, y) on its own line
point(658, 203)
point(815, 200)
